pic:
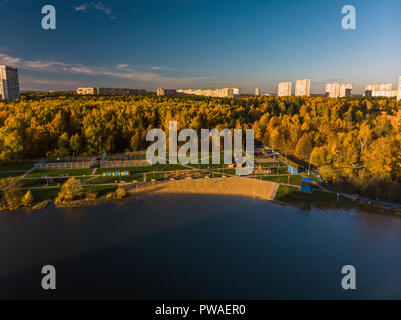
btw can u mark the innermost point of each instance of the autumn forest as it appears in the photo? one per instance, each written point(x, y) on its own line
point(348, 134)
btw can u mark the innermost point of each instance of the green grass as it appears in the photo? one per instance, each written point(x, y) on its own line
point(294, 179)
point(208, 166)
point(283, 192)
point(317, 198)
point(10, 174)
point(267, 164)
point(100, 180)
point(23, 166)
point(155, 176)
point(56, 173)
point(133, 170)
point(43, 194)
point(101, 190)
point(281, 170)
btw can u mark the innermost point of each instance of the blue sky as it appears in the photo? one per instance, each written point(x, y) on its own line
point(200, 43)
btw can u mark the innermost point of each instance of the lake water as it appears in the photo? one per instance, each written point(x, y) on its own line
point(199, 247)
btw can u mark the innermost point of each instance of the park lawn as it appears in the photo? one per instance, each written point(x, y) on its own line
point(38, 182)
point(42, 194)
point(225, 170)
point(101, 179)
point(294, 179)
point(155, 176)
point(133, 170)
point(208, 166)
point(10, 174)
point(317, 198)
point(267, 164)
point(283, 191)
point(23, 166)
point(101, 190)
point(65, 172)
point(281, 170)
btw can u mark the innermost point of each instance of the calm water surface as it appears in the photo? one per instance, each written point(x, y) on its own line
point(202, 247)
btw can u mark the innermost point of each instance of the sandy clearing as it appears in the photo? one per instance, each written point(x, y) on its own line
point(234, 186)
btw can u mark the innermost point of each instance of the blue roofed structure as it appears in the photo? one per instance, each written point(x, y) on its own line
point(306, 185)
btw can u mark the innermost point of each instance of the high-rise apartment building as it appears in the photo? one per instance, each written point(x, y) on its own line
point(109, 91)
point(284, 89)
point(399, 89)
point(345, 90)
point(9, 83)
point(332, 90)
point(380, 90)
point(257, 92)
point(217, 93)
point(302, 87)
point(337, 90)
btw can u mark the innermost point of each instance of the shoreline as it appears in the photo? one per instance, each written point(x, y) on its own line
point(228, 186)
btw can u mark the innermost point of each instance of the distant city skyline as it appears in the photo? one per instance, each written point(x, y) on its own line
point(201, 44)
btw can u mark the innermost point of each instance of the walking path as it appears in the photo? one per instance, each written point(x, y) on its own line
point(35, 166)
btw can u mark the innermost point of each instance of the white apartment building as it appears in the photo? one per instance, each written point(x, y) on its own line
point(380, 90)
point(399, 89)
point(109, 91)
point(345, 90)
point(217, 93)
point(332, 90)
point(338, 90)
point(302, 87)
point(284, 89)
point(257, 92)
point(9, 83)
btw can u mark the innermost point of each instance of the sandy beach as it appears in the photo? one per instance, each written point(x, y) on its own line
point(235, 186)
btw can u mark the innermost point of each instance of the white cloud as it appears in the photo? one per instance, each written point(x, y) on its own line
point(30, 81)
point(82, 7)
point(4, 59)
point(120, 71)
point(122, 66)
point(162, 68)
point(99, 6)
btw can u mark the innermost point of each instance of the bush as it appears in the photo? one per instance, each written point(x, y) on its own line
point(71, 190)
point(110, 196)
point(13, 198)
point(90, 196)
point(120, 193)
point(27, 199)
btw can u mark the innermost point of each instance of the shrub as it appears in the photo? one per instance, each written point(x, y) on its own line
point(110, 196)
point(120, 193)
point(13, 198)
point(90, 195)
point(70, 190)
point(27, 199)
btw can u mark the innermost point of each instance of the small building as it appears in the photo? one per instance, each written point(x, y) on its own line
point(293, 169)
point(306, 185)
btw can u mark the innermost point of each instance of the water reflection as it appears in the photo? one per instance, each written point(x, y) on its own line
point(200, 247)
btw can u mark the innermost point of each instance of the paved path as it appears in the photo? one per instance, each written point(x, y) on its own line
point(35, 166)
